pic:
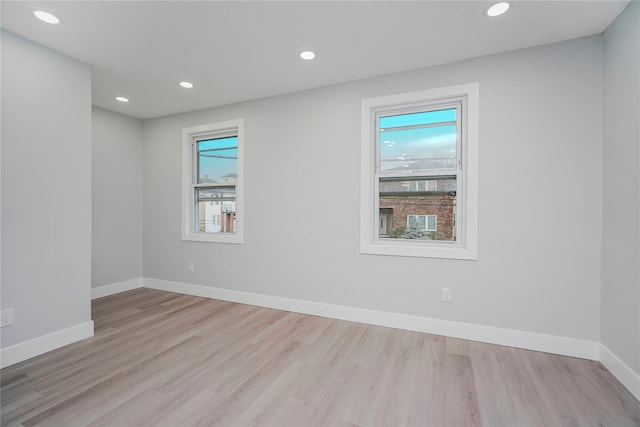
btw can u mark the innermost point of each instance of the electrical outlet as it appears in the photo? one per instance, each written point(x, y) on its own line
point(447, 295)
point(191, 266)
point(6, 317)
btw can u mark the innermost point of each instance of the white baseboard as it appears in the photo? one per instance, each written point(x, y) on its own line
point(34, 347)
point(115, 288)
point(509, 337)
point(621, 371)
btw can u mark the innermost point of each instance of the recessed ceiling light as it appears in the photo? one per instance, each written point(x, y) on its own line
point(498, 9)
point(46, 17)
point(307, 54)
point(187, 85)
point(122, 99)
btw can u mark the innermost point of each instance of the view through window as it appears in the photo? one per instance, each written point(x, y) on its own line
point(418, 166)
point(215, 187)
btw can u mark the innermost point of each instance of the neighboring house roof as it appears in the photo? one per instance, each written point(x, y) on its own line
point(229, 178)
point(426, 164)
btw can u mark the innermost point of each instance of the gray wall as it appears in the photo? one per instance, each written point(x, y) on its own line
point(117, 198)
point(46, 189)
point(540, 210)
point(620, 317)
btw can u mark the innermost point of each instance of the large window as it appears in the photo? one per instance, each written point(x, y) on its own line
point(419, 173)
point(212, 182)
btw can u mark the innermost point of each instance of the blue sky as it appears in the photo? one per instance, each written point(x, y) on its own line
point(399, 147)
point(217, 167)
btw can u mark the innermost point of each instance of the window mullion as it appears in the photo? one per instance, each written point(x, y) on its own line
point(460, 187)
point(421, 174)
point(194, 162)
point(214, 185)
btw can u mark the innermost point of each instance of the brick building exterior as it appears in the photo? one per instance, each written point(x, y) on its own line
point(401, 199)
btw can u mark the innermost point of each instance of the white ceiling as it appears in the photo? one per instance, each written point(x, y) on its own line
point(236, 51)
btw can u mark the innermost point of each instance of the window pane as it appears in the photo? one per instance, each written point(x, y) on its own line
point(411, 210)
point(215, 210)
point(431, 222)
point(418, 142)
point(416, 221)
point(218, 160)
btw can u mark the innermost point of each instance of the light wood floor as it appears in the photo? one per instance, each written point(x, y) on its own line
point(163, 359)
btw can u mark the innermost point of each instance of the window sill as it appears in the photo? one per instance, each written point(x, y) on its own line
point(213, 238)
point(419, 249)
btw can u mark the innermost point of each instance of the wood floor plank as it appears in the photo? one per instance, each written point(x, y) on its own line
point(496, 403)
point(461, 398)
point(164, 359)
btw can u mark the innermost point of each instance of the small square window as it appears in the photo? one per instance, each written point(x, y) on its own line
point(422, 224)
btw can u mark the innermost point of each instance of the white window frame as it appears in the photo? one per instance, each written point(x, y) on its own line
point(189, 137)
point(466, 244)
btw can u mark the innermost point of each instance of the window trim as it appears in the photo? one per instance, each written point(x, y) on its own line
point(466, 246)
point(189, 135)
